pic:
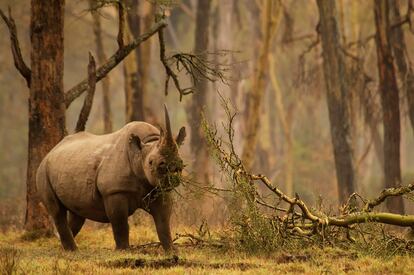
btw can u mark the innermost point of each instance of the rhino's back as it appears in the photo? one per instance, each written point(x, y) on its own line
point(73, 166)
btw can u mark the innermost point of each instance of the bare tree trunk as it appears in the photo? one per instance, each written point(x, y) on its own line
point(337, 98)
point(97, 29)
point(258, 87)
point(46, 101)
point(130, 75)
point(198, 100)
point(390, 103)
point(139, 19)
point(399, 48)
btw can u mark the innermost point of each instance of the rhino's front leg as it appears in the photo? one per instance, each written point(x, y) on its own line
point(116, 208)
point(160, 209)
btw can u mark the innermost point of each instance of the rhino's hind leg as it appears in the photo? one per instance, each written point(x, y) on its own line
point(58, 213)
point(116, 208)
point(75, 223)
point(63, 229)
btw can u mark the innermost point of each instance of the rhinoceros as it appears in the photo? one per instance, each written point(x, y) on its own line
point(105, 178)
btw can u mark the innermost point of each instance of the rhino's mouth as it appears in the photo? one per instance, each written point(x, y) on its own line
point(170, 181)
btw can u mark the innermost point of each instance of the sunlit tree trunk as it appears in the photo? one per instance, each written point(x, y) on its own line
point(390, 103)
point(337, 94)
point(286, 126)
point(46, 101)
point(256, 93)
point(101, 58)
point(198, 99)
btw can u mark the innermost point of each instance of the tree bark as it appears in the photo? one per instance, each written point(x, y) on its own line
point(337, 95)
point(130, 75)
point(46, 101)
point(198, 101)
point(101, 57)
point(390, 103)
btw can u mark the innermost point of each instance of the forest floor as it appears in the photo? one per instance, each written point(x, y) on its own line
point(96, 255)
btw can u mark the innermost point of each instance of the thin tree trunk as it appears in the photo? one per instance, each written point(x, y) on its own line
point(198, 100)
point(399, 48)
point(285, 125)
point(257, 91)
point(101, 57)
point(390, 103)
point(46, 101)
point(337, 98)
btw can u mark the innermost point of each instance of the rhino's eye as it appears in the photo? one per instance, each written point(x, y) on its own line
point(162, 167)
point(150, 162)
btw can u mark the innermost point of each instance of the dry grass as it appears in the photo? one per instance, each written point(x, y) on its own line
point(97, 256)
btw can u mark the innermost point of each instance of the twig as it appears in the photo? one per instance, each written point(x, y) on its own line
point(114, 60)
point(169, 72)
point(87, 104)
point(15, 47)
point(406, 20)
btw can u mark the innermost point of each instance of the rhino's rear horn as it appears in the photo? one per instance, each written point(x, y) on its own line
point(168, 135)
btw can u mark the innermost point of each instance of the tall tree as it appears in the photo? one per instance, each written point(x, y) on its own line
point(390, 103)
point(46, 100)
point(337, 95)
point(100, 52)
point(198, 101)
point(400, 51)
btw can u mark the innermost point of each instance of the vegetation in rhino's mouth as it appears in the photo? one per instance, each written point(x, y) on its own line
point(170, 181)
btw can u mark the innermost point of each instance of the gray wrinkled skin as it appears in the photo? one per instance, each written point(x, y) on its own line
point(105, 178)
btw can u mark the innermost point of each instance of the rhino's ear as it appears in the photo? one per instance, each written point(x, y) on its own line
point(181, 136)
point(134, 140)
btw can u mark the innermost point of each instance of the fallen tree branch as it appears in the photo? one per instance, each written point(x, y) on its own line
point(305, 221)
point(364, 217)
point(291, 201)
point(389, 192)
point(87, 103)
point(15, 47)
point(114, 60)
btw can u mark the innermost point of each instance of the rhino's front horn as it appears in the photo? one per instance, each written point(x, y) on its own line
point(168, 136)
